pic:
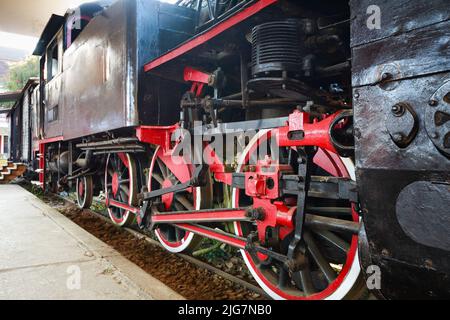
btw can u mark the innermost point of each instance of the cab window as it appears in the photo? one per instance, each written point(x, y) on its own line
point(54, 57)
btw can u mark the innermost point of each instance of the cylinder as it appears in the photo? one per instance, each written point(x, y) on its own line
point(277, 46)
point(63, 163)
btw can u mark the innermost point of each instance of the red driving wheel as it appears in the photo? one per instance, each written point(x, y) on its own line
point(121, 185)
point(85, 192)
point(333, 269)
point(166, 171)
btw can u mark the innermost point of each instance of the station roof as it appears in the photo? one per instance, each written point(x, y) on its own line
point(9, 96)
point(29, 18)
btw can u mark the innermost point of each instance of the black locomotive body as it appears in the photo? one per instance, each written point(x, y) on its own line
point(94, 79)
point(354, 99)
point(24, 120)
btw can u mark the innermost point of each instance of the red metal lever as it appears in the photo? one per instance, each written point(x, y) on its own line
point(198, 78)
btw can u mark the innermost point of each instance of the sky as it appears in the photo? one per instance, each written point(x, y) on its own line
point(27, 43)
point(18, 41)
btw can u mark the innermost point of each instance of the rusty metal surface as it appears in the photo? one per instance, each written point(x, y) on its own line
point(102, 86)
point(419, 213)
point(437, 118)
point(397, 17)
point(373, 140)
point(53, 99)
point(95, 77)
point(159, 28)
point(419, 52)
point(403, 64)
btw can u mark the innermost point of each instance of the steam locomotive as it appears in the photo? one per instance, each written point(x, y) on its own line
point(314, 136)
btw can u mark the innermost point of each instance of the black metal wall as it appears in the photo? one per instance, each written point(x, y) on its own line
point(401, 78)
point(16, 134)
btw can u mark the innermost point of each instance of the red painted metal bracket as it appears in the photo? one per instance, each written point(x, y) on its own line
point(234, 241)
point(198, 78)
point(301, 132)
point(225, 215)
point(42, 149)
point(157, 135)
point(121, 205)
point(194, 75)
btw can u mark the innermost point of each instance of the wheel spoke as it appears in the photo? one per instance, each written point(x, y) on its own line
point(117, 163)
point(283, 278)
point(179, 207)
point(177, 235)
point(171, 176)
point(330, 211)
point(119, 210)
point(319, 258)
point(124, 196)
point(123, 172)
point(125, 181)
point(162, 168)
point(333, 239)
point(332, 224)
point(125, 189)
point(158, 178)
point(306, 280)
point(184, 201)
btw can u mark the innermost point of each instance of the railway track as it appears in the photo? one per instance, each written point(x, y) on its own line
point(188, 258)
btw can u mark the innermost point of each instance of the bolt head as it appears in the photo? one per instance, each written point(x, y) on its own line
point(386, 76)
point(398, 137)
point(398, 110)
point(433, 103)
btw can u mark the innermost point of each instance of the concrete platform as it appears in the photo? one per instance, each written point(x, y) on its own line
point(44, 255)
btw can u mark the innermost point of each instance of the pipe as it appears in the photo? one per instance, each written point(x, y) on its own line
point(85, 162)
point(107, 142)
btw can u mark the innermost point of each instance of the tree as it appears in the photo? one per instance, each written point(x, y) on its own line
point(18, 76)
point(20, 72)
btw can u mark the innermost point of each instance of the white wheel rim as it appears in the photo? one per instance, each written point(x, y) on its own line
point(188, 240)
point(355, 269)
point(126, 215)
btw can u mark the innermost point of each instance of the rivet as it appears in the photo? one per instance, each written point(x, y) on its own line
point(434, 135)
point(433, 103)
point(398, 110)
point(386, 76)
point(398, 137)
